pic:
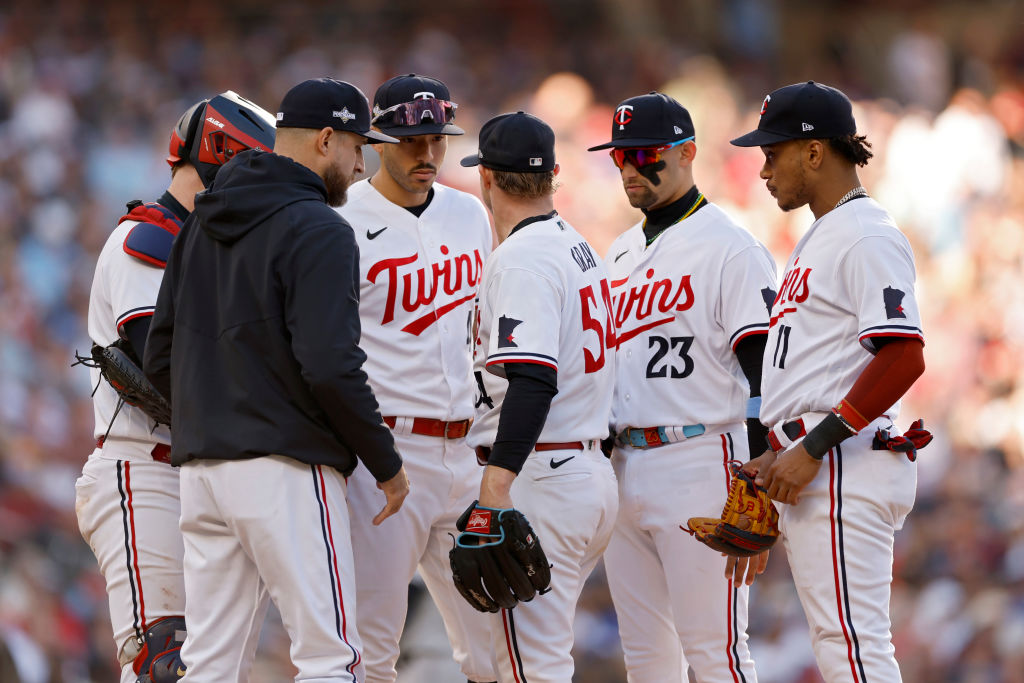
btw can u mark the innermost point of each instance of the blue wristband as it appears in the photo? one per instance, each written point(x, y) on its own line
point(753, 407)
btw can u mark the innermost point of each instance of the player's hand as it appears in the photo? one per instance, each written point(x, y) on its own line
point(789, 474)
point(396, 489)
point(760, 464)
point(752, 566)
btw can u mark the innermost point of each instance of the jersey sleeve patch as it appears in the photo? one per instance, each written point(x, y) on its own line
point(150, 243)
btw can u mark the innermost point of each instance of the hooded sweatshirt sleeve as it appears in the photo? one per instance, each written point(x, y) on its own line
point(321, 284)
point(156, 359)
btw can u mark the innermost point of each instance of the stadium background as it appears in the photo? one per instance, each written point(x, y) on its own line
point(90, 90)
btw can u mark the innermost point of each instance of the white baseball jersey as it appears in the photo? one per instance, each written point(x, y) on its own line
point(681, 306)
point(123, 288)
point(418, 325)
point(418, 282)
point(849, 279)
point(545, 300)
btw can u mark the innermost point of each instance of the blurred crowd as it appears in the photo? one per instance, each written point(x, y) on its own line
point(90, 90)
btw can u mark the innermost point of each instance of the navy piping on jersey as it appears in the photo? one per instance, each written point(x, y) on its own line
point(510, 633)
point(839, 557)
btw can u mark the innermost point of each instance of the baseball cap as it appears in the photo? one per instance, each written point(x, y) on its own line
point(518, 143)
point(648, 121)
point(414, 105)
point(328, 103)
point(801, 111)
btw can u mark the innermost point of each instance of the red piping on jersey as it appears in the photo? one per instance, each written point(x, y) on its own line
point(420, 324)
point(905, 335)
point(508, 645)
point(745, 335)
point(626, 336)
point(135, 551)
point(133, 317)
point(835, 559)
point(502, 361)
point(337, 575)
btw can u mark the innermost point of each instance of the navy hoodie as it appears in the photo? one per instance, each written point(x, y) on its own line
point(255, 336)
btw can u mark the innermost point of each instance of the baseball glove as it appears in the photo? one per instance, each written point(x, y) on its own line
point(749, 522)
point(497, 560)
point(120, 368)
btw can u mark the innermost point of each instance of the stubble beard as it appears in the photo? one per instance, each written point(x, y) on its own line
point(337, 184)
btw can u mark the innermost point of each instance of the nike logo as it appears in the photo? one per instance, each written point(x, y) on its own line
point(372, 235)
point(620, 256)
point(555, 464)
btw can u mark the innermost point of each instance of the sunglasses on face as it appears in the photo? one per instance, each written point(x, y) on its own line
point(639, 157)
point(413, 113)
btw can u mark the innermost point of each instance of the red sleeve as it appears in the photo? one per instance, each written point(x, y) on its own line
point(888, 376)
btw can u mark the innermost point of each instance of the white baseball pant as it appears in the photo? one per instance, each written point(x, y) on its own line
point(674, 605)
point(572, 510)
point(839, 541)
point(267, 528)
point(444, 479)
point(128, 513)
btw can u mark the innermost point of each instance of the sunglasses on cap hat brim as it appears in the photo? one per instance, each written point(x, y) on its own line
point(414, 113)
point(639, 157)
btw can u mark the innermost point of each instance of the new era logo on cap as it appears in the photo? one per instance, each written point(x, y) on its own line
point(806, 127)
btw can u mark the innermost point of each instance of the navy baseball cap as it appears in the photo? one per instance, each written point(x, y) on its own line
point(328, 103)
point(414, 105)
point(801, 111)
point(517, 143)
point(649, 120)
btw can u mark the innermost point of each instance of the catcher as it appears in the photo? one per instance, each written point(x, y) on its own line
point(127, 497)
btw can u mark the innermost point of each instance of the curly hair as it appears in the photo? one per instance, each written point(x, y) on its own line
point(854, 148)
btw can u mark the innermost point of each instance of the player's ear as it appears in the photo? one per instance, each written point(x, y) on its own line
point(814, 153)
point(556, 169)
point(687, 153)
point(323, 140)
point(486, 177)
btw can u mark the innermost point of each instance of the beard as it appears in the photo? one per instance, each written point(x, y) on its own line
point(337, 185)
point(797, 197)
point(403, 177)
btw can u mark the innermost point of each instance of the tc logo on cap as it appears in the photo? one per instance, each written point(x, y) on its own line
point(764, 105)
point(423, 95)
point(623, 115)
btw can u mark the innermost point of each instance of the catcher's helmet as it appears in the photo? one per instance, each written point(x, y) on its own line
point(212, 131)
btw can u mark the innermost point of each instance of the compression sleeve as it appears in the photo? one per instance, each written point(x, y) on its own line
point(523, 413)
point(750, 352)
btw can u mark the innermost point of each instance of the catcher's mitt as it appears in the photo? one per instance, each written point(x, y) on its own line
point(749, 522)
point(497, 561)
point(120, 368)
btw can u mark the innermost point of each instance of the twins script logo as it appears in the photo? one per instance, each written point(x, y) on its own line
point(421, 286)
point(794, 289)
point(659, 299)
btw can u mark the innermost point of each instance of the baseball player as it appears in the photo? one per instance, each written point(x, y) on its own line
point(127, 497)
point(545, 350)
point(258, 339)
point(845, 343)
point(690, 294)
point(422, 246)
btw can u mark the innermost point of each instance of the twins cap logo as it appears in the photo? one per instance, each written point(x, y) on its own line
point(623, 115)
point(505, 328)
point(345, 115)
point(893, 300)
point(806, 127)
point(425, 95)
point(764, 105)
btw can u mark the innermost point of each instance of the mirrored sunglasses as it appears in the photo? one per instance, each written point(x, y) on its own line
point(413, 113)
point(639, 157)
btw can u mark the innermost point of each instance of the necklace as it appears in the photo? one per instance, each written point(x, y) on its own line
point(858, 191)
point(682, 218)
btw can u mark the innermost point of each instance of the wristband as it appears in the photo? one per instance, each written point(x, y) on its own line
point(825, 436)
point(850, 416)
point(753, 407)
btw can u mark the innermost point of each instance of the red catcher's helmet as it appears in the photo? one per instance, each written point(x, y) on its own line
point(213, 131)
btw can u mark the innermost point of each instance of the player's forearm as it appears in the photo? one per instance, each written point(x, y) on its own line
point(523, 413)
point(495, 487)
point(749, 353)
point(888, 376)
